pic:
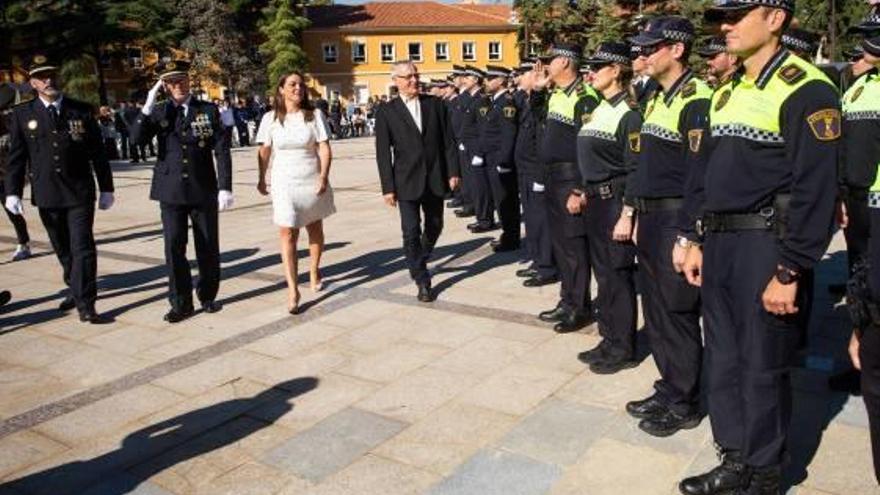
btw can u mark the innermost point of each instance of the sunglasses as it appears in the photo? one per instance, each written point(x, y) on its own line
point(733, 16)
point(647, 51)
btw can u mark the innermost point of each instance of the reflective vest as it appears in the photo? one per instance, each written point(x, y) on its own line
point(661, 121)
point(562, 106)
point(605, 120)
point(862, 102)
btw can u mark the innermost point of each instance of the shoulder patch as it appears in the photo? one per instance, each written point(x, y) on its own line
point(825, 124)
point(484, 111)
point(722, 100)
point(635, 142)
point(791, 73)
point(695, 137)
point(509, 111)
point(689, 89)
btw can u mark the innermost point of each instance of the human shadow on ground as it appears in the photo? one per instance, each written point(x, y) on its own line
point(151, 450)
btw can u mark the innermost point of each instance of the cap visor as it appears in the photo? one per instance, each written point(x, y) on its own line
point(872, 46)
point(644, 39)
point(596, 62)
point(40, 70)
point(166, 75)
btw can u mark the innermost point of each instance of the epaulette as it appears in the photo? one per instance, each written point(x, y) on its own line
point(689, 89)
point(791, 74)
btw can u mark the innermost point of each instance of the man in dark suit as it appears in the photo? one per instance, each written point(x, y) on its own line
point(191, 141)
point(418, 165)
point(55, 141)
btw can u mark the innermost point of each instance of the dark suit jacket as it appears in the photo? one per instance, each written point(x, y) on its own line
point(409, 160)
point(184, 173)
point(58, 160)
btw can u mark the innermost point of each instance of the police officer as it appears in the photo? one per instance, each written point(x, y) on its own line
point(480, 190)
point(456, 105)
point(498, 134)
point(767, 206)
point(539, 250)
point(801, 42)
point(56, 142)
point(608, 147)
point(185, 184)
point(670, 142)
point(570, 105)
point(720, 65)
point(8, 95)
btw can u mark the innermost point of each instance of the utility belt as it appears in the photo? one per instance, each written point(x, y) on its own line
point(562, 171)
point(773, 217)
point(607, 189)
point(647, 205)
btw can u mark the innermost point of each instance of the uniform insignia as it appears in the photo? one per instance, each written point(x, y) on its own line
point(695, 137)
point(509, 112)
point(649, 110)
point(171, 66)
point(163, 123)
point(635, 142)
point(77, 129)
point(32, 124)
point(201, 144)
point(722, 100)
point(857, 94)
point(484, 111)
point(690, 89)
point(825, 124)
point(39, 60)
point(792, 74)
point(586, 118)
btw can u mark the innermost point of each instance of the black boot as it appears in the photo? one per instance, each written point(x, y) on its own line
point(765, 481)
point(732, 475)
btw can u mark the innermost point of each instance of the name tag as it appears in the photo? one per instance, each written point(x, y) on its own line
point(536, 187)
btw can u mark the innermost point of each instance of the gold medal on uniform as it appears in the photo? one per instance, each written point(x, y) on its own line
point(163, 123)
point(722, 100)
point(509, 112)
point(32, 124)
point(484, 111)
point(695, 137)
point(202, 143)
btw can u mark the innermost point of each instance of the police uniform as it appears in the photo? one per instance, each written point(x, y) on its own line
point(191, 140)
point(608, 148)
point(674, 125)
point(456, 106)
point(568, 108)
point(498, 134)
point(709, 48)
point(767, 211)
point(8, 95)
point(58, 146)
point(480, 189)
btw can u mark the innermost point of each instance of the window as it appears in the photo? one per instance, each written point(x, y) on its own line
point(388, 52)
point(494, 50)
point(441, 51)
point(415, 52)
point(358, 52)
point(135, 57)
point(330, 53)
point(468, 51)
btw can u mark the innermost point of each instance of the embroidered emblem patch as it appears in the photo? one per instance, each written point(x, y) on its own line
point(690, 89)
point(635, 142)
point(825, 124)
point(484, 111)
point(722, 100)
point(695, 137)
point(509, 112)
point(792, 74)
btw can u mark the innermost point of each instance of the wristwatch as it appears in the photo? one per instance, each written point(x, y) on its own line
point(683, 242)
point(786, 276)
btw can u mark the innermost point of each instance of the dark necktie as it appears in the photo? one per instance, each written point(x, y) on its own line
point(53, 111)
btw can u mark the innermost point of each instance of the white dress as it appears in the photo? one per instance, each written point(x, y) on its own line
point(295, 168)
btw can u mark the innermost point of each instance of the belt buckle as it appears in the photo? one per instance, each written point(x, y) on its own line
point(767, 213)
point(605, 191)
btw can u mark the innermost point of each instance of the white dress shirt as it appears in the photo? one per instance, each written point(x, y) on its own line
point(415, 109)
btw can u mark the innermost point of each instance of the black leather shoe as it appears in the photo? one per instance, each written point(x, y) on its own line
point(211, 306)
point(465, 212)
point(539, 281)
point(89, 315)
point(610, 365)
point(526, 273)
point(669, 423)
point(67, 304)
point(765, 481)
point(553, 315)
point(645, 408)
point(455, 203)
point(5, 297)
point(594, 354)
point(482, 227)
point(728, 478)
point(425, 294)
point(178, 315)
point(505, 246)
point(571, 322)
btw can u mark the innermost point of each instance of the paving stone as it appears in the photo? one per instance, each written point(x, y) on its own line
point(483, 356)
point(39, 352)
point(126, 483)
point(333, 443)
point(202, 377)
point(130, 340)
point(491, 472)
point(560, 352)
point(375, 336)
point(316, 362)
point(25, 448)
point(373, 475)
point(251, 478)
point(842, 464)
point(392, 362)
point(94, 366)
point(633, 384)
point(686, 442)
point(414, 396)
point(23, 388)
point(558, 432)
point(298, 339)
point(516, 389)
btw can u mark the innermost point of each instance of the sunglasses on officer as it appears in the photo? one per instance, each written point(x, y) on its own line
point(732, 16)
point(647, 51)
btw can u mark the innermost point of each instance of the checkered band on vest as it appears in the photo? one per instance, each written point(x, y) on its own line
point(594, 133)
point(612, 57)
point(661, 132)
point(865, 115)
point(560, 118)
point(747, 132)
point(873, 200)
point(677, 35)
point(796, 43)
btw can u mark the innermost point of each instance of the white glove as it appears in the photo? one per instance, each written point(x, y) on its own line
point(477, 161)
point(151, 98)
point(105, 200)
point(224, 200)
point(461, 146)
point(13, 204)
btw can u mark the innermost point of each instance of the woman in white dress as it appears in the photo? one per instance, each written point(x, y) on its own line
point(295, 149)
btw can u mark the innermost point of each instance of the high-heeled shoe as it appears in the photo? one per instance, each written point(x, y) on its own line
point(293, 308)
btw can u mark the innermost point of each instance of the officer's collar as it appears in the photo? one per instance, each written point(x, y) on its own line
point(771, 67)
point(56, 103)
point(498, 94)
point(616, 99)
point(670, 95)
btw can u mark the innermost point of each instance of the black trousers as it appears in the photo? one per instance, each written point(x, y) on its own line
point(18, 221)
point(419, 241)
point(70, 232)
point(570, 249)
point(614, 266)
point(175, 220)
point(539, 249)
point(481, 192)
point(869, 354)
point(505, 197)
point(749, 352)
point(858, 231)
point(465, 190)
point(124, 144)
point(243, 137)
point(672, 313)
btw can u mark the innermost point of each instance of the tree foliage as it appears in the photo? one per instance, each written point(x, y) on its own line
point(282, 30)
point(816, 15)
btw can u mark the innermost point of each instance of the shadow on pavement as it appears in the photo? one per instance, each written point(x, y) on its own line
point(151, 450)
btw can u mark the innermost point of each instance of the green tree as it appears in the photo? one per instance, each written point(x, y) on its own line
point(81, 79)
point(817, 16)
point(608, 24)
point(282, 49)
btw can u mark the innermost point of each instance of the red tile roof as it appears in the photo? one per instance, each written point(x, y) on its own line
point(383, 15)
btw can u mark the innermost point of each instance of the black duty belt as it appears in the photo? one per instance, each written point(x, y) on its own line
point(646, 205)
point(606, 189)
point(772, 217)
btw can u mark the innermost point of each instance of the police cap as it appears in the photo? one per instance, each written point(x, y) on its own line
point(610, 52)
point(870, 24)
point(674, 29)
point(171, 68)
point(712, 46)
point(39, 63)
point(472, 71)
point(458, 70)
point(494, 71)
point(567, 50)
point(800, 40)
point(872, 46)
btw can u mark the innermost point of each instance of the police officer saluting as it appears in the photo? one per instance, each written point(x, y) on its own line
point(498, 132)
point(767, 212)
point(191, 140)
point(56, 142)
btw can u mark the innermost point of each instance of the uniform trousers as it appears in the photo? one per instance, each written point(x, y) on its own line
point(481, 192)
point(672, 314)
point(465, 191)
point(175, 220)
point(534, 211)
point(70, 233)
point(419, 241)
point(505, 197)
point(749, 352)
point(869, 354)
point(568, 237)
point(18, 221)
point(858, 230)
point(614, 267)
